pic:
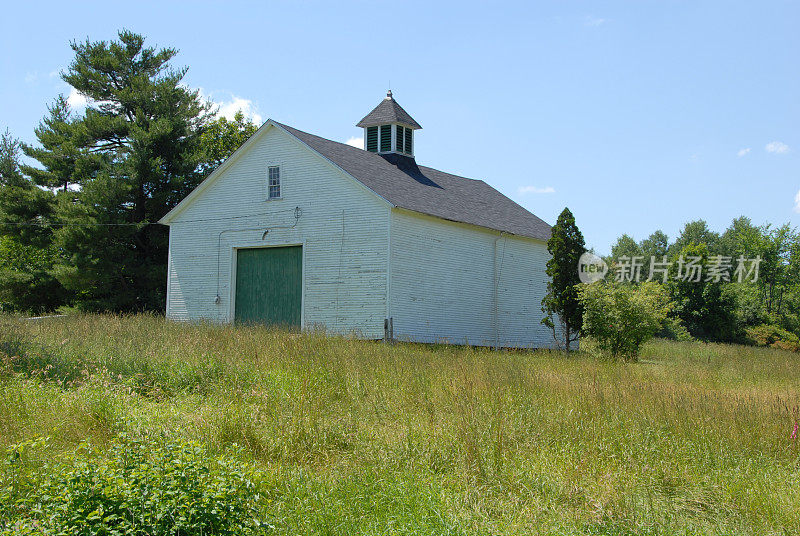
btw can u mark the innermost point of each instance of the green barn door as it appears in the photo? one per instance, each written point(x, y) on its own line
point(269, 285)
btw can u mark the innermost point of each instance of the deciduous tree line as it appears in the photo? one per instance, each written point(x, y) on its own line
point(724, 310)
point(621, 312)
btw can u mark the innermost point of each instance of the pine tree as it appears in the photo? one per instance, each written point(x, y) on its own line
point(146, 125)
point(26, 252)
point(566, 245)
point(9, 159)
point(64, 161)
point(24, 208)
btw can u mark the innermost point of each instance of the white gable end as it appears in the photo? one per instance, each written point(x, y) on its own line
point(341, 225)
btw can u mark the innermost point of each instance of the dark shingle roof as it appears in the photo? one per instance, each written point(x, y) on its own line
point(388, 111)
point(400, 181)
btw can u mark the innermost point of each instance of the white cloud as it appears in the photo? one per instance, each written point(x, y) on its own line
point(31, 77)
point(228, 108)
point(743, 152)
point(797, 202)
point(777, 147)
point(536, 190)
point(594, 21)
point(356, 142)
point(76, 100)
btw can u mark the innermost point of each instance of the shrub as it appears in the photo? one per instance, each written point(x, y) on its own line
point(26, 284)
point(621, 318)
point(673, 329)
point(153, 487)
point(774, 337)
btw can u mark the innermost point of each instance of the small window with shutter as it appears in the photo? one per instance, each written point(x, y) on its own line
point(372, 139)
point(408, 134)
point(386, 138)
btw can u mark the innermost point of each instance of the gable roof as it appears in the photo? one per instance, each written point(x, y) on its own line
point(388, 111)
point(400, 181)
point(403, 183)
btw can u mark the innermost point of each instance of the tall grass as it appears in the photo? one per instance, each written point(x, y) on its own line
point(360, 437)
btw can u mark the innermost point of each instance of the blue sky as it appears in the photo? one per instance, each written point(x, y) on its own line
point(636, 115)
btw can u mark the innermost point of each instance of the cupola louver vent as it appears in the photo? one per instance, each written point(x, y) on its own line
point(389, 129)
point(386, 138)
point(372, 139)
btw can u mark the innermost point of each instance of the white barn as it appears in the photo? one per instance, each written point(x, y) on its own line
point(298, 230)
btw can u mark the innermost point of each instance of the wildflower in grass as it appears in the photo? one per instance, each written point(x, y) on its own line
point(794, 431)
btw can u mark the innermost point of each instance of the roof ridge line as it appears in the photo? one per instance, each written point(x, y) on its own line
point(376, 154)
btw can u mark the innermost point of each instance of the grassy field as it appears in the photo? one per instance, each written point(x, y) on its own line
point(363, 438)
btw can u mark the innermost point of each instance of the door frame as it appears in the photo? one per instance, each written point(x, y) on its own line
point(234, 250)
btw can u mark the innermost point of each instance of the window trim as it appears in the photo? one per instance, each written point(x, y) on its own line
point(279, 167)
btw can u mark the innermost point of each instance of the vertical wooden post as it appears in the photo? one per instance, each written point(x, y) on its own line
point(391, 330)
point(385, 330)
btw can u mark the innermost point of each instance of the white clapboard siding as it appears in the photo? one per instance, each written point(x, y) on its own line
point(442, 284)
point(343, 229)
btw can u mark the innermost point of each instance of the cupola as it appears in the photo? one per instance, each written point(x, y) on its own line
point(389, 129)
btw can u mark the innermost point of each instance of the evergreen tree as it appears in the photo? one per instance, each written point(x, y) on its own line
point(24, 208)
point(146, 126)
point(26, 252)
point(566, 245)
point(63, 156)
point(9, 159)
